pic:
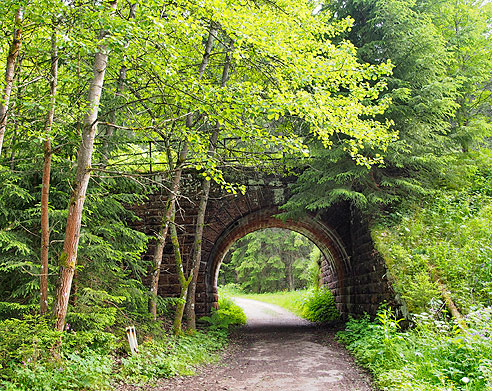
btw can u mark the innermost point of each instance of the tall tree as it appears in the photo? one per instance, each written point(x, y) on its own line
point(423, 100)
point(45, 227)
point(466, 28)
point(68, 258)
point(184, 281)
point(202, 207)
point(175, 184)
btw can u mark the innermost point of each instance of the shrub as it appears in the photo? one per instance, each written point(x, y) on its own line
point(15, 310)
point(75, 372)
point(318, 305)
point(153, 361)
point(30, 357)
point(29, 339)
point(228, 314)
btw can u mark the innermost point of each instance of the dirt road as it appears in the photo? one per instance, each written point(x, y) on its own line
point(277, 351)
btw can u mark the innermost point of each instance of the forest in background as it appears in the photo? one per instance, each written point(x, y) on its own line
point(385, 104)
point(271, 260)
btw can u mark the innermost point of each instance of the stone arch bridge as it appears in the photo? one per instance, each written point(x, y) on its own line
point(352, 269)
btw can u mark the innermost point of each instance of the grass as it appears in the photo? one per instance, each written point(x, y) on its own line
point(316, 305)
point(291, 300)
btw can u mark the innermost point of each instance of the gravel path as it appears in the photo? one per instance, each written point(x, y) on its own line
point(276, 351)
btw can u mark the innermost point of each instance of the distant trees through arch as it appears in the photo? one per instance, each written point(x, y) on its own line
point(271, 260)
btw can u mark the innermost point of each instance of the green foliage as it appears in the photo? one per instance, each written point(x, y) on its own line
point(16, 310)
point(109, 252)
point(450, 236)
point(172, 356)
point(230, 289)
point(90, 372)
point(440, 94)
point(26, 340)
point(96, 310)
point(228, 314)
point(32, 358)
point(318, 305)
point(433, 355)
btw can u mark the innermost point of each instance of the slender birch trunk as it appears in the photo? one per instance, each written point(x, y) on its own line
point(197, 244)
point(18, 98)
point(68, 257)
point(183, 280)
point(9, 73)
point(45, 226)
point(161, 236)
point(111, 128)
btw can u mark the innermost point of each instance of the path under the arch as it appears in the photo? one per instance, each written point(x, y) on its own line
point(277, 351)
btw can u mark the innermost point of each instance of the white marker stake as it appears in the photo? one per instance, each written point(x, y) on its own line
point(132, 339)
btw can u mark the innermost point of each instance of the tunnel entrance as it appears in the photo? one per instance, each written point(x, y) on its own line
point(353, 269)
point(334, 263)
point(270, 260)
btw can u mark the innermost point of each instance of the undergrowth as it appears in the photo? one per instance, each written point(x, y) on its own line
point(226, 315)
point(434, 355)
point(441, 243)
point(35, 357)
point(446, 238)
point(171, 356)
point(318, 305)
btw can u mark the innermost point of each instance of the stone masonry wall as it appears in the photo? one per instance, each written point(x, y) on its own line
point(352, 269)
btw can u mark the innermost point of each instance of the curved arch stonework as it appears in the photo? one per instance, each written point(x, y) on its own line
point(324, 237)
point(353, 270)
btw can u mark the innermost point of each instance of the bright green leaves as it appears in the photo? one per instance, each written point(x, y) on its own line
point(435, 97)
point(284, 53)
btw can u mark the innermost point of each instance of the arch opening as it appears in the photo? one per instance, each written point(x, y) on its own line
point(271, 260)
point(336, 260)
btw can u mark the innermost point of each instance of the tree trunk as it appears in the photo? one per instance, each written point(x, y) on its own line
point(45, 226)
point(18, 98)
point(183, 281)
point(161, 237)
point(453, 310)
point(68, 257)
point(197, 244)
point(110, 128)
point(290, 276)
point(9, 73)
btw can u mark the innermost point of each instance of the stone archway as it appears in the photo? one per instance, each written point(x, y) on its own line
point(324, 237)
point(354, 271)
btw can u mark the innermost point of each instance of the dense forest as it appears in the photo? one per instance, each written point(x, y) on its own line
point(271, 260)
point(383, 104)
